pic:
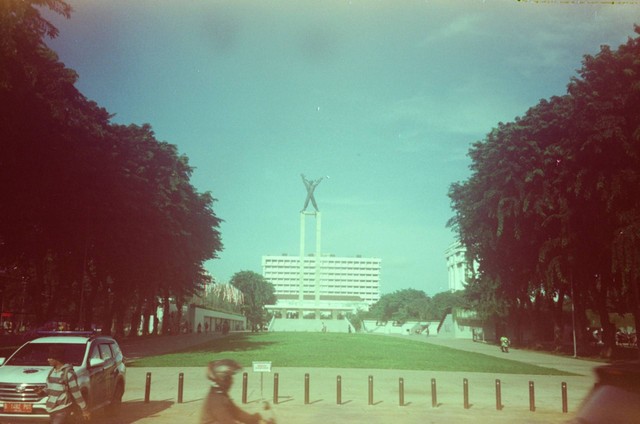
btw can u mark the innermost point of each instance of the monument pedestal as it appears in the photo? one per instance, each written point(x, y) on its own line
point(317, 257)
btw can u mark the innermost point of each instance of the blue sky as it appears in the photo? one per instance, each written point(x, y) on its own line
point(383, 96)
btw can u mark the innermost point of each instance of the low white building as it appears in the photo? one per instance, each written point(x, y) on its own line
point(203, 319)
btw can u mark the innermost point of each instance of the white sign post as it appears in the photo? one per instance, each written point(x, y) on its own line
point(261, 367)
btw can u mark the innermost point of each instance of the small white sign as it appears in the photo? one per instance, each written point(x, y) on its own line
point(261, 366)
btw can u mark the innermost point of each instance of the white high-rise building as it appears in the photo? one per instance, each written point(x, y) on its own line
point(346, 279)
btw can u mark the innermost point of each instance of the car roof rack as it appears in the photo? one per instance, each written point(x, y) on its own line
point(49, 333)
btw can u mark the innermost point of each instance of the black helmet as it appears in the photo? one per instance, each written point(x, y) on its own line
point(221, 372)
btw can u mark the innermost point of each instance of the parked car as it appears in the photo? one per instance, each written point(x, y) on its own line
point(96, 359)
point(615, 398)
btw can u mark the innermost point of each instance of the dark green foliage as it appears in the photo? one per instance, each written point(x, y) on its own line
point(99, 220)
point(414, 305)
point(258, 292)
point(552, 210)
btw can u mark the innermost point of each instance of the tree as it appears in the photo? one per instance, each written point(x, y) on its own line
point(552, 211)
point(99, 220)
point(223, 297)
point(401, 306)
point(509, 212)
point(441, 302)
point(44, 122)
point(414, 305)
point(257, 293)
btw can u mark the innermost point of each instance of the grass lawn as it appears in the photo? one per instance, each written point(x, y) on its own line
point(336, 350)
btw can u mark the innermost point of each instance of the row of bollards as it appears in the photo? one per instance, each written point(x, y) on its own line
point(434, 395)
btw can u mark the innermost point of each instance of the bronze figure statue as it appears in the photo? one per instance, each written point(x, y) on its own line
point(311, 186)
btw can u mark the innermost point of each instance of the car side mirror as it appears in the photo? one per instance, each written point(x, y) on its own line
point(96, 362)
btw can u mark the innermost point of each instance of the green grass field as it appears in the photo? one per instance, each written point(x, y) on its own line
point(335, 350)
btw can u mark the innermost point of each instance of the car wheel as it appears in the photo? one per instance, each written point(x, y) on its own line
point(78, 412)
point(116, 400)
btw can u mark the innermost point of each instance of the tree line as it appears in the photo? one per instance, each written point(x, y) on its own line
point(550, 215)
point(412, 305)
point(98, 221)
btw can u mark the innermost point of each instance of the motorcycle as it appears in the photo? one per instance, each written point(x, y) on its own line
point(504, 344)
point(271, 418)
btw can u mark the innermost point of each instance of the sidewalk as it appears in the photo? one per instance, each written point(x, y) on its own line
point(354, 407)
point(543, 359)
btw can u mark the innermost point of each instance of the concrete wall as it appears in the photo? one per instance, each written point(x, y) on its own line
point(310, 325)
point(389, 327)
point(452, 329)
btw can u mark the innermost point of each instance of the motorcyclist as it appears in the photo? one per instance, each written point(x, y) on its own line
point(504, 344)
point(218, 406)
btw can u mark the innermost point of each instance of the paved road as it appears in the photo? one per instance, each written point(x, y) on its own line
point(385, 407)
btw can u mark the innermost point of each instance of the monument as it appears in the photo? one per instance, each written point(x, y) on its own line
point(310, 185)
point(312, 285)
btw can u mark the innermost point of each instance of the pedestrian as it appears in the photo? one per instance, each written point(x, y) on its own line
point(64, 399)
point(218, 407)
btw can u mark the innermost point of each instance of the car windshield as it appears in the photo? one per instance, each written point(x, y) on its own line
point(36, 354)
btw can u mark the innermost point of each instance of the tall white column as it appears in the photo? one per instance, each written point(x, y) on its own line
point(318, 256)
point(302, 239)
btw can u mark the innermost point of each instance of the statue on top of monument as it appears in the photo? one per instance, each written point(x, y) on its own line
point(311, 186)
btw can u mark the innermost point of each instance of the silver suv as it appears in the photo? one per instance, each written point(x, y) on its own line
point(97, 361)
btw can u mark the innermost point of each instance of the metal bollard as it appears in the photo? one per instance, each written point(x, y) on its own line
point(370, 390)
point(498, 395)
point(276, 380)
point(434, 394)
point(306, 389)
point(147, 388)
point(532, 397)
point(401, 391)
point(245, 379)
point(339, 390)
point(565, 407)
point(180, 386)
point(465, 390)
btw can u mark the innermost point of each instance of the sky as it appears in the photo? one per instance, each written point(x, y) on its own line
point(381, 98)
